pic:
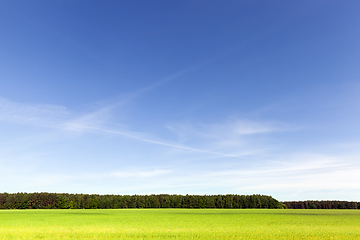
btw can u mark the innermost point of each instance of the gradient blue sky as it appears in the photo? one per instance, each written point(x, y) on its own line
point(185, 97)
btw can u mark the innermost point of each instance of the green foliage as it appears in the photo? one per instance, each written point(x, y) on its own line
point(321, 205)
point(93, 204)
point(63, 202)
point(85, 201)
point(82, 201)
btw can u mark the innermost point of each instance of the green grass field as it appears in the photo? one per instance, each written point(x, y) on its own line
point(180, 224)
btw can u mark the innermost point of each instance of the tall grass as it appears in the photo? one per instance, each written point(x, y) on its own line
point(180, 224)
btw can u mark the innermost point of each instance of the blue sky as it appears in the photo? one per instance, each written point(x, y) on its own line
point(181, 97)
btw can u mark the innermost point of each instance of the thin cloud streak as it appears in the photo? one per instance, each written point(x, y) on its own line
point(35, 114)
point(54, 116)
point(135, 137)
point(139, 174)
point(38, 114)
point(223, 134)
point(235, 135)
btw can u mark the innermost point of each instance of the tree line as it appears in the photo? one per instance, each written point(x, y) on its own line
point(45, 200)
point(322, 205)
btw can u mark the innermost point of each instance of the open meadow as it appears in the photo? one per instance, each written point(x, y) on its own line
point(180, 224)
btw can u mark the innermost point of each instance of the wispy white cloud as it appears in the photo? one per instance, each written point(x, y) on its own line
point(284, 180)
point(143, 138)
point(234, 129)
point(244, 127)
point(299, 174)
point(59, 117)
point(139, 174)
point(96, 119)
point(287, 165)
point(87, 121)
point(235, 136)
point(49, 114)
point(221, 138)
point(226, 139)
point(35, 114)
point(83, 181)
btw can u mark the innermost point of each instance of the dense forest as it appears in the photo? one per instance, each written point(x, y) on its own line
point(86, 201)
point(322, 205)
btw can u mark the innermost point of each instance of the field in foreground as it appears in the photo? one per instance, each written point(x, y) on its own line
point(180, 224)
